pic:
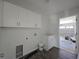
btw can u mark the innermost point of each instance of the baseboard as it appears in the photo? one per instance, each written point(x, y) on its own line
point(27, 56)
point(51, 48)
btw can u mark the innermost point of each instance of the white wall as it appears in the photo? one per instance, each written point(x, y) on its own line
point(0, 11)
point(0, 20)
point(53, 29)
point(45, 30)
point(52, 23)
point(50, 28)
point(69, 12)
point(52, 42)
point(11, 37)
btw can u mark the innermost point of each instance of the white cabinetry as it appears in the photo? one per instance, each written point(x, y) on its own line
point(10, 15)
point(15, 16)
point(29, 19)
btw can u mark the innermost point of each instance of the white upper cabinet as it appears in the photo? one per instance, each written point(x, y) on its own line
point(10, 15)
point(15, 16)
point(24, 18)
point(29, 19)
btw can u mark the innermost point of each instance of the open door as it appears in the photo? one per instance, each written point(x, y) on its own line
point(67, 34)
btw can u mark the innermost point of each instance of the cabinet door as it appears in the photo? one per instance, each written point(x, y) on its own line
point(25, 18)
point(10, 15)
point(37, 20)
point(29, 19)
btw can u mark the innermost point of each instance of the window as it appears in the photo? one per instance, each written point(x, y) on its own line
point(68, 20)
point(67, 23)
point(69, 27)
point(62, 27)
point(66, 27)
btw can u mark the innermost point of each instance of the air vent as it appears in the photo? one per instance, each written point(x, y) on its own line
point(19, 51)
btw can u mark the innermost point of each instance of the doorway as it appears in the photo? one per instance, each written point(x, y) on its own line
point(67, 34)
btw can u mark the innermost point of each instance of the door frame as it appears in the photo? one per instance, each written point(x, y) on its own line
point(77, 34)
point(77, 43)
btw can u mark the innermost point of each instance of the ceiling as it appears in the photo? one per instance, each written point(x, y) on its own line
point(41, 6)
